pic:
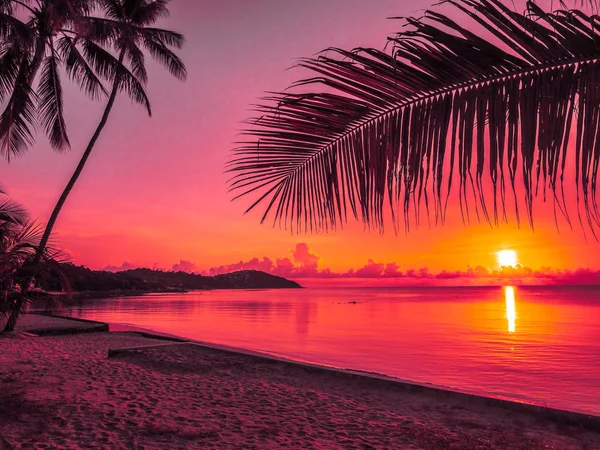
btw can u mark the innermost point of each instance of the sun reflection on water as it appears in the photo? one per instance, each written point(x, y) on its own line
point(511, 311)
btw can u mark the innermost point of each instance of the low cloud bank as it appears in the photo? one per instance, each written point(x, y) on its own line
point(303, 263)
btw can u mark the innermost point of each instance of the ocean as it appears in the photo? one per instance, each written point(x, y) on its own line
point(536, 345)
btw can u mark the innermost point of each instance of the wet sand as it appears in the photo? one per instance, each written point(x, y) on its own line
point(64, 392)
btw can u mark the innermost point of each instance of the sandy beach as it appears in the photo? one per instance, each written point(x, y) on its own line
point(64, 392)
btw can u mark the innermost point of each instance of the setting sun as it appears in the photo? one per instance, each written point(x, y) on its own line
point(507, 258)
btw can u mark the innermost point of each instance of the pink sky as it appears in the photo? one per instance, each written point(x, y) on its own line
point(154, 191)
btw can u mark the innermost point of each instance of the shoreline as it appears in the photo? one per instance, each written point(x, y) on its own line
point(98, 295)
point(108, 294)
point(588, 420)
point(163, 391)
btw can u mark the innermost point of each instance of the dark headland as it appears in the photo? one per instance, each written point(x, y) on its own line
point(87, 283)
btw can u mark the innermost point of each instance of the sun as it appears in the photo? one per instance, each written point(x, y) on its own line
point(507, 258)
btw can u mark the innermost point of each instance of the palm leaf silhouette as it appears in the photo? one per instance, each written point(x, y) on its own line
point(444, 101)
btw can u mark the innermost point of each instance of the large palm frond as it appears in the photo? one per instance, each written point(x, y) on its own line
point(392, 127)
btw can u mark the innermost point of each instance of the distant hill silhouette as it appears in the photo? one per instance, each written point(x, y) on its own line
point(82, 279)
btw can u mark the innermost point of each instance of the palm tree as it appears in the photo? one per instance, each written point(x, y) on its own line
point(496, 93)
point(19, 241)
point(45, 34)
point(66, 33)
point(128, 23)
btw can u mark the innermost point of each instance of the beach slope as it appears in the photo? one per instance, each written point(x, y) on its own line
point(63, 391)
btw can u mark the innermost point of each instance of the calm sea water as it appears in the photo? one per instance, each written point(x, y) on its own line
point(539, 345)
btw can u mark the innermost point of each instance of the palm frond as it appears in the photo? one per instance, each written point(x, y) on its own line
point(101, 61)
point(11, 59)
point(393, 127)
point(51, 104)
point(79, 70)
point(129, 84)
point(18, 117)
point(114, 10)
point(11, 28)
point(137, 62)
point(167, 58)
point(12, 213)
point(99, 29)
point(6, 6)
point(566, 4)
point(26, 238)
point(167, 37)
point(146, 13)
point(74, 8)
point(109, 67)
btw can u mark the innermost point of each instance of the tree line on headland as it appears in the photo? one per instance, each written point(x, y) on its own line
point(85, 282)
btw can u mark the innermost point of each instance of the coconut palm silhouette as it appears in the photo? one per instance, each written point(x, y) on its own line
point(79, 36)
point(128, 26)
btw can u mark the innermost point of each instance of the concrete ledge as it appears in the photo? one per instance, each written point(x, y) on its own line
point(67, 331)
point(56, 316)
point(559, 416)
point(51, 325)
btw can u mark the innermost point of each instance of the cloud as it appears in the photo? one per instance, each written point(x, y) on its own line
point(185, 266)
point(392, 271)
point(308, 261)
point(128, 266)
point(579, 276)
point(284, 266)
point(302, 264)
point(371, 270)
point(121, 268)
point(266, 265)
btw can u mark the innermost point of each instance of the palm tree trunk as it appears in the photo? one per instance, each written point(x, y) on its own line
point(12, 320)
point(77, 173)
